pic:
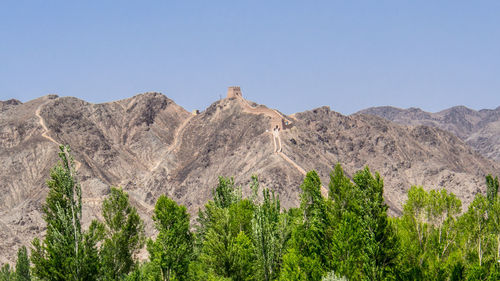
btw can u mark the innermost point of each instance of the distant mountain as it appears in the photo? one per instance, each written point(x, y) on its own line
point(150, 146)
point(480, 129)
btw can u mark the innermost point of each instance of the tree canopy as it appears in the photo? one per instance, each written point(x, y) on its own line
point(347, 235)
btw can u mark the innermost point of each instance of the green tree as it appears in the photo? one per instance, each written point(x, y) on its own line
point(147, 271)
point(494, 224)
point(242, 252)
point(381, 245)
point(269, 235)
point(225, 225)
point(491, 188)
point(225, 237)
point(23, 265)
point(429, 235)
point(124, 235)
point(6, 273)
point(309, 246)
point(295, 266)
point(226, 193)
point(364, 242)
point(348, 245)
point(331, 276)
point(412, 231)
point(477, 229)
point(172, 249)
point(91, 262)
point(66, 253)
point(348, 235)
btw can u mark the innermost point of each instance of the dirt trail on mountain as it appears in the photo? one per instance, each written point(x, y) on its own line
point(45, 134)
point(42, 123)
point(273, 114)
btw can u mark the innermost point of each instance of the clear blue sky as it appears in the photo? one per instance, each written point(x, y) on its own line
point(291, 55)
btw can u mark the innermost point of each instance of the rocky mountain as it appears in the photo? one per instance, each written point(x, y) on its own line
point(480, 129)
point(150, 146)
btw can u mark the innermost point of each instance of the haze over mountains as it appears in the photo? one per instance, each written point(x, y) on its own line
point(480, 129)
point(149, 145)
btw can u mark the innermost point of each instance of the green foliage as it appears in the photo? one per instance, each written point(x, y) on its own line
point(347, 246)
point(294, 267)
point(345, 236)
point(475, 221)
point(66, 252)
point(217, 247)
point(491, 188)
point(223, 234)
point(331, 276)
point(381, 245)
point(6, 273)
point(269, 235)
point(309, 246)
point(364, 242)
point(91, 258)
point(172, 249)
point(225, 239)
point(124, 235)
point(226, 194)
point(148, 271)
point(428, 232)
point(23, 265)
point(243, 255)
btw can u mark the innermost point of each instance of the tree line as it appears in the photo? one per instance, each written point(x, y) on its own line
point(346, 235)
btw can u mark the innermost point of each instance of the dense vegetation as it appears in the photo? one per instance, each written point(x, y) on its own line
point(344, 236)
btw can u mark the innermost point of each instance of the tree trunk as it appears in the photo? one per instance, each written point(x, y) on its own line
point(498, 247)
point(479, 250)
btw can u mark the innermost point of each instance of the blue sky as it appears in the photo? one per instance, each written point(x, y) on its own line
point(290, 55)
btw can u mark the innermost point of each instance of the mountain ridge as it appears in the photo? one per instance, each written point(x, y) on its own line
point(478, 128)
point(149, 145)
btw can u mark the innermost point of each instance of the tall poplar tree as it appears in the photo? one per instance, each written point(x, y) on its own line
point(23, 265)
point(364, 244)
point(124, 235)
point(268, 236)
point(308, 252)
point(172, 249)
point(6, 273)
point(66, 253)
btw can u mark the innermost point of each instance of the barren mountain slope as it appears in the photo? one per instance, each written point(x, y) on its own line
point(480, 129)
point(403, 155)
point(151, 146)
point(111, 143)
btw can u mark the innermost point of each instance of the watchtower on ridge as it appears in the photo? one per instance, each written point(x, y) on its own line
point(277, 120)
point(233, 92)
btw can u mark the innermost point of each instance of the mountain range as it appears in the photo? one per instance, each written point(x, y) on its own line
point(149, 145)
point(479, 129)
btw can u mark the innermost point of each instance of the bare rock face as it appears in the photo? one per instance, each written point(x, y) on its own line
point(150, 146)
point(479, 129)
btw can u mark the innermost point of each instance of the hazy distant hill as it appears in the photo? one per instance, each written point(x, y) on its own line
point(151, 146)
point(480, 129)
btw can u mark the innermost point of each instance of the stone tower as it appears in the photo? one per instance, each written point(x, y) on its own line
point(233, 92)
